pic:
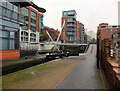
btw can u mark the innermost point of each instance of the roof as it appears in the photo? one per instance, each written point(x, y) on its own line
point(38, 8)
point(24, 3)
point(69, 11)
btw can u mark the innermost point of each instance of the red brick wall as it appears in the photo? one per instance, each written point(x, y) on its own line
point(9, 54)
point(106, 33)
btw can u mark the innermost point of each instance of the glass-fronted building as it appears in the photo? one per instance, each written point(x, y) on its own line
point(9, 29)
point(69, 29)
point(31, 33)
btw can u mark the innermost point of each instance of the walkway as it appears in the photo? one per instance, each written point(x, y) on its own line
point(85, 75)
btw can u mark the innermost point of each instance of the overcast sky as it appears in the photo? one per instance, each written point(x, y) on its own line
point(89, 12)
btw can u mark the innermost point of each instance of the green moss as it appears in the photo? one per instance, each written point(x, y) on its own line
point(22, 65)
point(23, 75)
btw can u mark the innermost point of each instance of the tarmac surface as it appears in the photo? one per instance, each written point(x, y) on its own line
point(85, 75)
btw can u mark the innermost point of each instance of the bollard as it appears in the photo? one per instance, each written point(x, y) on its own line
point(26, 57)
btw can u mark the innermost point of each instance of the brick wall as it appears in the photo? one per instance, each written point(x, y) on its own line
point(10, 54)
point(108, 64)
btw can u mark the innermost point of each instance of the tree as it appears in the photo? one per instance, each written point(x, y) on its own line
point(45, 37)
point(93, 40)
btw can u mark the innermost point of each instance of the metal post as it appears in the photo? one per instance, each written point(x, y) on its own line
point(52, 39)
point(97, 53)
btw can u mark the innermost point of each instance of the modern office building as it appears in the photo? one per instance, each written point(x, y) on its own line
point(106, 31)
point(68, 34)
point(9, 28)
point(31, 33)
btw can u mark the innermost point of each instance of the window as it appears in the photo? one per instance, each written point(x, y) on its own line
point(0, 33)
point(25, 11)
point(33, 14)
point(33, 21)
point(0, 3)
point(4, 44)
point(40, 28)
point(9, 13)
point(25, 17)
point(15, 25)
point(5, 34)
point(41, 18)
point(33, 37)
point(9, 5)
point(69, 19)
point(15, 9)
point(33, 28)
point(0, 43)
point(65, 13)
point(12, 44)
point(15, 15)
point(12, 34)
point(7, 23)
point(4, 12)
point(4, 3)
point(0, 10)
point(24, 36)
point(41, 24)
point(103, 26)
point(9, 40)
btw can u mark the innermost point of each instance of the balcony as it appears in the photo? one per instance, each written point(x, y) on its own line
point(71, 24)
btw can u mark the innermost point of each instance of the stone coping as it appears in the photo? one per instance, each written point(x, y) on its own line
point(116, 66)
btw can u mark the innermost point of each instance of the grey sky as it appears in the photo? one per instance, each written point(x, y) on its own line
point(89, 12)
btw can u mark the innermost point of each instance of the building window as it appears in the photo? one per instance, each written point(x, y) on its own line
point(15, 16)
point(103, 26)
point(33, 37)
point(5, 34)
point(4, 44)
point(40, 28)
point(12, 44)
point(65, 13)
point(25, 17)
point(24, 36)
point(33, 21)
point(41, 18)
point(12, 34)
point(10, 11)
point(8, 40)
